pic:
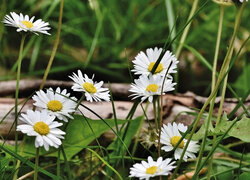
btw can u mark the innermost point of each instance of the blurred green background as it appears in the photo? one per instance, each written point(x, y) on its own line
point(103, 37)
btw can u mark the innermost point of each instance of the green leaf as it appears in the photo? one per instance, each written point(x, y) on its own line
point(224, 124)
point(241, 129)
point(244, 176)
point(241, 84)
point(201, 132)
point(227, 175)
point(78, 136)
point(132, 129)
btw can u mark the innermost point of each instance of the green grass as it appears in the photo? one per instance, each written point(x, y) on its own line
point(105, 40)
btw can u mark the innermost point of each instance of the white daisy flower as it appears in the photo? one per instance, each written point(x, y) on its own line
point(243, 1)
point(43, 126)
point(170, 135)
point(148, 86)
point(146, 170)
point(144, 63)
point(92, 90)
point(24, 23)
point(58, 103)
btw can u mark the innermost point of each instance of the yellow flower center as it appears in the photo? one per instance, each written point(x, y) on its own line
point(55, 105)
point(28, 24)
point(151, 170)
point(41, 128)
point(175, 139)
point(89, 87)
point(152, 88)
point(158, 69)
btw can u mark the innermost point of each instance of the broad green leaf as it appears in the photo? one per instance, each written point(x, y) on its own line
point(242, 84)
point(201, 132)
point(244, 176)
point(227, 175)
point(78, 136)
point(241, 129)
point(132, 129)
point(223, 125)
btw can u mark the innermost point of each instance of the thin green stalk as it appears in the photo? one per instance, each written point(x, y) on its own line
point(171, 19)
point(217, 46)
point(36, 163)
point(155, 114)
point(161, 109)
point(66, 163)
point(18, 161)
point(237, 22)
point(221, 76)
point(139, 130)
point(55, 45)
point(214, 81)
point(17, 90)
point(80, 101)
point(208, 122)
point(17, 86)
point(185, 32)
point(58, 165)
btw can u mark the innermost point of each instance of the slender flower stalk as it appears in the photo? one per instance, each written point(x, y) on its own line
point(221, 76)
point(161, 111)
point(20, 57)
point(36, 164)
point(222, 7)
point(54, 47)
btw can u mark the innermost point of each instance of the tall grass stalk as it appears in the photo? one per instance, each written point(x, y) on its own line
point(212, 88)
point(237, 24)
point(20, 57)
point(221, 76)
point(54, 47)
point(185, 32)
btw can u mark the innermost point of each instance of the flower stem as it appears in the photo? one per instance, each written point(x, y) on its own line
point(155, 114)
point(54, 47)
point(221, 76)
point(58, 165)
point(213, 86)
point(17, 87)
point(36, 163)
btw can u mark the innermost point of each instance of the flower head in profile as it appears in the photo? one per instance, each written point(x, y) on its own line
point(58, 103)
point(92, 90)
point(143, 63)
point(170, 136)
point(24, 23)
point(146, 170)
point(243, 1)
point(43, 126)
point(148, 138)
point(148, 86)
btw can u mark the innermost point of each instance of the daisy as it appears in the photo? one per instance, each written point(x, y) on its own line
point(149, 138)
point(92, 90)
point(170, 135)
point(148, 86)
point(243, 1)
point(144, 63)
point(24, 23)
point(58, 103)
point(146, 170)
point(43, 126)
